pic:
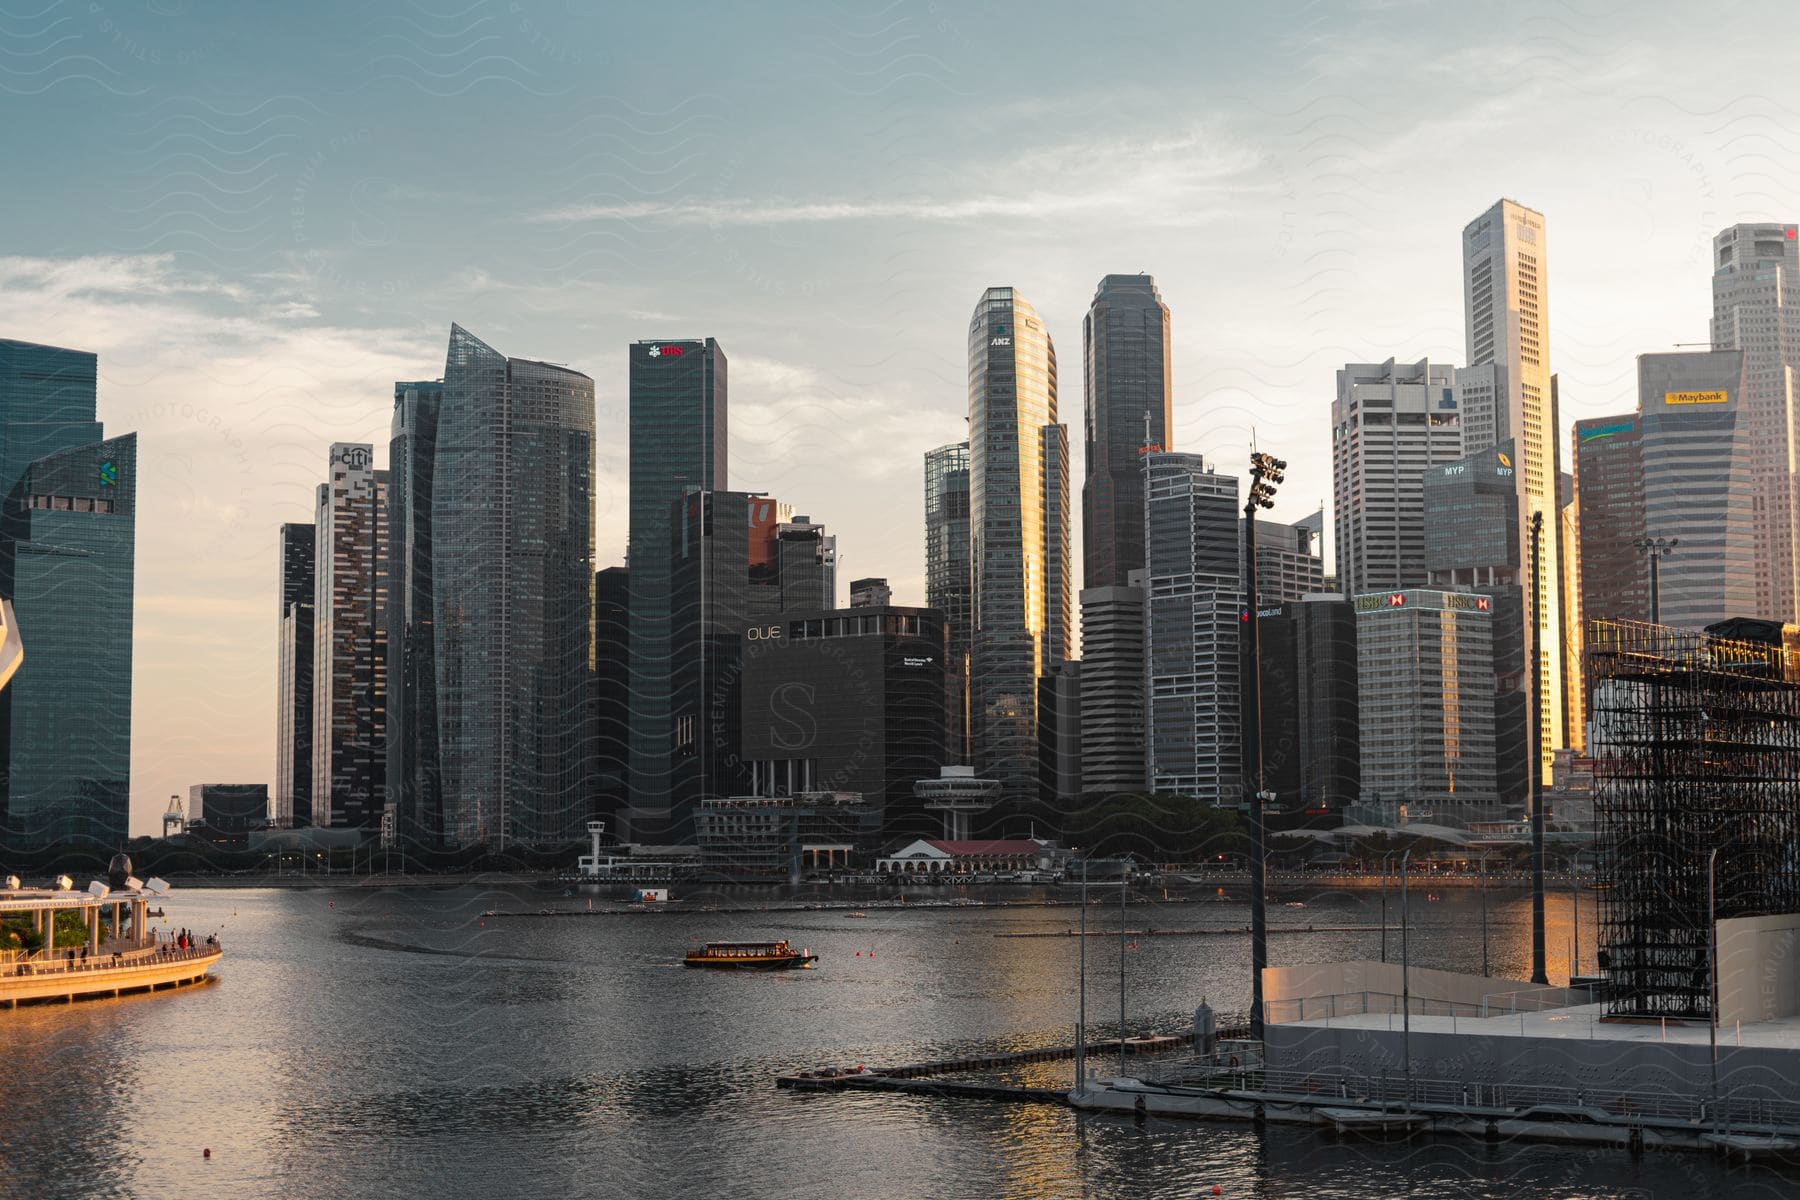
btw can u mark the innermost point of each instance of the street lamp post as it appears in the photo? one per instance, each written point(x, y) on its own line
point(1081, 989)
point(1534, 780)
point(1656, 549)
point(1484, 916)
point(1405, 982)
point(1266, 471)
point(1712, 976)
point(1385, 860)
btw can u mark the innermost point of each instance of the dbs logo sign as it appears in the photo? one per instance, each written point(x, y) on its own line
point(665, 352)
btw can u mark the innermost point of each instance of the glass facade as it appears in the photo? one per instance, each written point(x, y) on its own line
point(1698, 472)
point(71, 700)
point(1019, 535)
point(350, 642)
point(1609, 480)
point(1425, 674)
point(512, 551)
point(1310, 726)
point(68, 561)
point(1195, 604)
point(294, 673)
point(1125, 349)
point(678, 442)
point(948, 580)
point(412, 756)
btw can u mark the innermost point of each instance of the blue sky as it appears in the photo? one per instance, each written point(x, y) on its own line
point(261, 215)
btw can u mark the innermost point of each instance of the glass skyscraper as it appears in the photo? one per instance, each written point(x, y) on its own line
point(678, 443)
point(1019, 535)
point(68, 562)
point(1125, 345)
point(294, 673)
point(948, 586)
point(512, 551)
point(72, 593)
point(412, 757)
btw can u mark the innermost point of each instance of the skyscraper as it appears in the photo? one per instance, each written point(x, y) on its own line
point(1609, 484)
point(1196, 603)
point(1473, 544)
point(1698, 468)
point(612, 692)
point(1425, 674)
point(948, 580)
point(1288, 561)
point(512, 549)
point(72, 583)
point(1310, 724)
point(1125, 350)
point(293, 678)
point(412, 756)
point(1019, 534)
point(1112, 688)
point(1390, 423)
point(349, 737)
point(48, 404)
point(1756, 309)
point(1505, 395)
point(678, 442)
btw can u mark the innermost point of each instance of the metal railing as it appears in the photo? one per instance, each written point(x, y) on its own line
point(37, 964)
point(1508, 1100)
point(1354, 1004)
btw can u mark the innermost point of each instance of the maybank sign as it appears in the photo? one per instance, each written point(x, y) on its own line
point(1695, 397)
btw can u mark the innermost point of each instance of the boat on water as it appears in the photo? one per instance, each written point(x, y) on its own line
point(60, 945)
point(750, 956)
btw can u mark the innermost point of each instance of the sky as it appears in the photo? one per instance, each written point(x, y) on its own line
point(260, 216)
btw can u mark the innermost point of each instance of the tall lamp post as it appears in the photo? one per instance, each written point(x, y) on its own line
point(1534, 777)
point(1266, 471)
point(1656, 549)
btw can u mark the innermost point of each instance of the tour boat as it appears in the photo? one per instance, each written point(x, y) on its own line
point(751, 956)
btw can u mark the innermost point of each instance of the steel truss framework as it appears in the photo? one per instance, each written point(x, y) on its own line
point(1696, 740)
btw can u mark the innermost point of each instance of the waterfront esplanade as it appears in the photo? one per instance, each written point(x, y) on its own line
point(122, 953)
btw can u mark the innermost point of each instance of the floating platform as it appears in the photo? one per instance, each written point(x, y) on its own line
point(137, 971)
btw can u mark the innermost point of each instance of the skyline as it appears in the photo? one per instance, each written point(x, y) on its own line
point(269, 238)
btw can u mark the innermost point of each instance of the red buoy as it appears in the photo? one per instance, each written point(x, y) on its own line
point(206, 1153)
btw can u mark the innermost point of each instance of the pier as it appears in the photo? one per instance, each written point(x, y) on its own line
point(927, 1078)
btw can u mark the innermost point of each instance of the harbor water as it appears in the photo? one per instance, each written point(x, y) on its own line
point(396, 1043)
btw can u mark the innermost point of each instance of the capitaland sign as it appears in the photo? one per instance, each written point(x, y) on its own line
point(1673, 398)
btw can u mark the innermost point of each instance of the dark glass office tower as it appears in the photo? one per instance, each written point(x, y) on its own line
point(67, 560)
point(948, 583)
point(1125, 346)
point(678, 427)
point(612, 692)
point(1473, 543)
point(294, 675)
point(1311, 733)
point(1018, 535)
point(512, 552)
point(72, 586)
point(1609, 480)
point(412, 755)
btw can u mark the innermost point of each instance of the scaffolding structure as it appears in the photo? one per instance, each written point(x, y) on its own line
point(1696, 742)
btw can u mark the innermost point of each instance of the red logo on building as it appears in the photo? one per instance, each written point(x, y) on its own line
point(665, 352)
point(1397, 600)
point(1483, 604)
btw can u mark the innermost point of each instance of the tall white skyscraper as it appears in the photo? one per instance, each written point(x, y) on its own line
point(1018, 535)
point(1391, 422)
point(349, 676)
point(1504, 394)
point(1756, 309)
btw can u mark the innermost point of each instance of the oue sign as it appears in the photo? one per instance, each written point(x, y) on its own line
point(771, 633)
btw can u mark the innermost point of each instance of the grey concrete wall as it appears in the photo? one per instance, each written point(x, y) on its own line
point(1759, 969)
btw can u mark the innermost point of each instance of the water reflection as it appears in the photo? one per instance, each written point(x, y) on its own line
point(395, 1044)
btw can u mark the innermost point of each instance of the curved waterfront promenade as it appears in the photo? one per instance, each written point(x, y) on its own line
point(138, 970)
